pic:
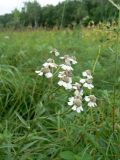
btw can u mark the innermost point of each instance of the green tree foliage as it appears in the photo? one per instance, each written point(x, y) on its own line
point(100, 10)
point(67, 13)
point(16, 18)
point(5, 20)
point(49, 16)
point(32, 10)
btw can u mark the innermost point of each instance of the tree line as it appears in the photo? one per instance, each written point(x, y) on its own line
point(65, 14)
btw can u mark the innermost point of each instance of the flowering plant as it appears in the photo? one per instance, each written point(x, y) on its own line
point(64, 74)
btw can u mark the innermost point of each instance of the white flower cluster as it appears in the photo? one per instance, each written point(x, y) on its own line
point(85, 82)
point(65, 80)
point(55, 52)
point(46, 70)
point(65, 76)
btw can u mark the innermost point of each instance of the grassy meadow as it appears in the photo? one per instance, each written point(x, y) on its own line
point(35, 120)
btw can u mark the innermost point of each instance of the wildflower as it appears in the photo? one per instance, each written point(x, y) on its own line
point(45, 72)
point(73, 60)
point(87, 83)
point(87, 74)
point(50, 63)
point(65, 79)
point(78, 89)
point(64, 73)
point(66, 82)
point(91, 100)
point(76, 103)
point(66, 67)
point(55, 52)
point(69, 60)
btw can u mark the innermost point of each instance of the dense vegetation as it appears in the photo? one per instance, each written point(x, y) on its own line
point(36, 125)
point(36, 122)
point(68, 13)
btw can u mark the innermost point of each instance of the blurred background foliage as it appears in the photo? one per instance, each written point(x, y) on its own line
point(69, 13)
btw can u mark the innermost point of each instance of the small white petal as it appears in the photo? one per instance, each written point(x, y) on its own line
point(74, 62)
point(78, 93)
point(60, 83)
point(53, 65)
point(46, 64)
point(82, 80)
point(90, 86)
point(68, 86)
point(89, 77)
point(84, 74)
point(74, 87)
point(70, 80)
point(61, 74)
point(70, 103)
point(37, 71)
point(74, 107)
point(79, 109)
point(62, 58)
point(85, 85)
point(57, 53)
point(66, 67)
point(71, 99)
point(48, 75)
point(64, 84)
point(87, 99)
point(40, 73)
point(92, 104)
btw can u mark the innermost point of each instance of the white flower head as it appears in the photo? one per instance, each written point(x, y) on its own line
point(66, 67)
point(45, 72)
point(69, 60)
point(73, 60)
point(76, 103)
point(67, 86)
point(48, 75)
point(91, 100)
point(64, 73)
point(55, 52)
point(87, 74)
point(87, 83)
point(78, 89)
point(40, 73)
point(66, 82)
point(50, 64)
point(76, 86)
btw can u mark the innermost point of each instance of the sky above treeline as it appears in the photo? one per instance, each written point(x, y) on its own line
point(6, 6)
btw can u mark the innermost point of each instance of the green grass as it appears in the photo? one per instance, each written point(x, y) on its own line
point(34, 123)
